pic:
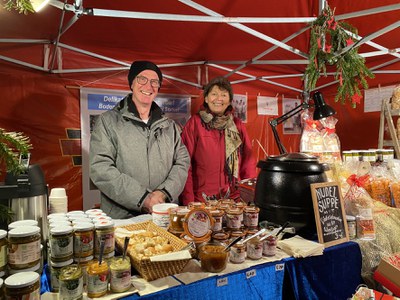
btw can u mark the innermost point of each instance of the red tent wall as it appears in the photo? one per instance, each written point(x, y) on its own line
point(44, 106)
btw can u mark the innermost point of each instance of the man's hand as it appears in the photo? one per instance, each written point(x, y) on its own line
point(153, 198)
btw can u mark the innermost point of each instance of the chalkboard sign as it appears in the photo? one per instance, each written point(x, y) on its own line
point(330, 216)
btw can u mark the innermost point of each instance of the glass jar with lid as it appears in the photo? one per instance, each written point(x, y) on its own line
point(70, 283)
point(104, 231)
point(97, 279)
point(24, 285)
point(120, 274)
point(55, 269)
point(24, 247)
point(3, 252)
point(61, 243)
point(83, 239)
point(234, 218)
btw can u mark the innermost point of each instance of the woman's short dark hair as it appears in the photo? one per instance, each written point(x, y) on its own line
point(222, 83)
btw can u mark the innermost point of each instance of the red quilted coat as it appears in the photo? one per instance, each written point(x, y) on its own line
point(207, 153)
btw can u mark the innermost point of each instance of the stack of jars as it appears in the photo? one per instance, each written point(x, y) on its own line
point(21, 260)
point(74, 243)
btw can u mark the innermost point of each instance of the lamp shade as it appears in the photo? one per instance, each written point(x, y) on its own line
point(39, 4)
point(321, 109)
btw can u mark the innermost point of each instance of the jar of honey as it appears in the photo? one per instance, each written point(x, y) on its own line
point(213, 257)
point(24, 247)
point(269, 246)
point(221, 236)
point(177, 217)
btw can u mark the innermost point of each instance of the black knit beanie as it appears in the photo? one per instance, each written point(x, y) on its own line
point(141, 65)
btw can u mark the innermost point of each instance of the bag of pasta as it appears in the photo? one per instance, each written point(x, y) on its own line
point(331, 139)
point(311, 140)
point(378, 185)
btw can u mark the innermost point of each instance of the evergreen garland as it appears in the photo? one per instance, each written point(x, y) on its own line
point(12, 145)
point(22, 6)
point(328, 38)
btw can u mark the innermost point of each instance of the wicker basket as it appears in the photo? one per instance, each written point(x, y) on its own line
point(153, 270)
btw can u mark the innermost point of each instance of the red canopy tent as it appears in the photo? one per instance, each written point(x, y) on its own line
point(262, 46)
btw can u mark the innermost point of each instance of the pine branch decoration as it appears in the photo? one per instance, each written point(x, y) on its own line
point(12, 145)
point(22, 6)
point(327, 40)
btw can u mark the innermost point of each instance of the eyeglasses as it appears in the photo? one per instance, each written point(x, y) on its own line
point(143, 80)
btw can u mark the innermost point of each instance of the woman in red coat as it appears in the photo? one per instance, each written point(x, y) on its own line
point(218, 145)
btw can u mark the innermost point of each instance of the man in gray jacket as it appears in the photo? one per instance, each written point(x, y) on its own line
point(137, 158)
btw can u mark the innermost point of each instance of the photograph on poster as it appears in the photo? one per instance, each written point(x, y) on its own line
point(293, 124)
point(239, 104)
point(267, 106)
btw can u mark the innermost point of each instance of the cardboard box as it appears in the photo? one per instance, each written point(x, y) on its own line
point(389, 270)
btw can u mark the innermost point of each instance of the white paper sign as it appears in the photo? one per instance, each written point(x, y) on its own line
point(373, 98)
point(267, 105)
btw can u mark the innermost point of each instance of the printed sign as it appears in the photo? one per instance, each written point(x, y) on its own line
point(329, 213)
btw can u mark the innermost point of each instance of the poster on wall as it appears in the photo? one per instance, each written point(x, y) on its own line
point(239, 104)
point(267, 106)
point(373, 97)
point(96, 101)
point(293, 124)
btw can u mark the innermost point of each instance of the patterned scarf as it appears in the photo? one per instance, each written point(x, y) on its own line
point(232, 139)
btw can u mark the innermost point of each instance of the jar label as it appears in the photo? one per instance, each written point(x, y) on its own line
point(83, 243)
point(97, 283)
point(3, 256)
point(109, 242)
point(24, 253)
point(250, 219)
point(61, 246)
point(255, 250)
point(71, 289)
point(120, 280)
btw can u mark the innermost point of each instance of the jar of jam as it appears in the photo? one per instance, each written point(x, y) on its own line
point(61, 243)
point(24, 247)
point(255, 248)
point(234, 218)
point(104, 232)
point(97, 279)
point(221, 236)
point(55, 269)
point(250, 216)
point(238, 253)
point(120, 274)
point(24, 285)
point(3, 252)
point(217, 216)
point(70, 283)
point(195, 204)
point(269, 246)
point(213, 257)
point(83, 239)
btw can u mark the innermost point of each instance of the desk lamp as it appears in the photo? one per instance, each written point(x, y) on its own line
point(321, 110)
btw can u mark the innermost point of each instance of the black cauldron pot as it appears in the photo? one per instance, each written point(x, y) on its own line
point(283, 190)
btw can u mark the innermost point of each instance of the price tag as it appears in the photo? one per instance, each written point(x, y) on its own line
point(279, 267)
point(222, 281)
point(251, 273)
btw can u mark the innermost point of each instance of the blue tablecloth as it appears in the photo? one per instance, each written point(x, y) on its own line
point(334, 275)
